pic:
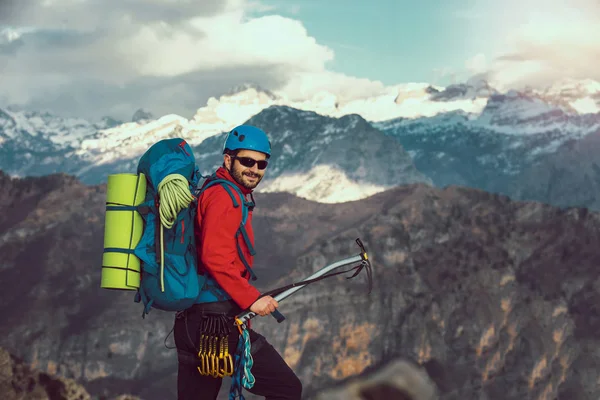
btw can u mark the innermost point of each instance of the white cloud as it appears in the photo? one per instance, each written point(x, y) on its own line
point(97, 57)
point(477, 64)
point(110, 57)
point(538, 42)
point(319, 83)
point(225, 41)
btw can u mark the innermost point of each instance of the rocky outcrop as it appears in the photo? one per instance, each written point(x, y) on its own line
point(399, 380)
point(493, 298)
point(496, 299)
point(18, 381)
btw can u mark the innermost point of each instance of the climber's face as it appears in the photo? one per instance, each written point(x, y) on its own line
point(247, 167)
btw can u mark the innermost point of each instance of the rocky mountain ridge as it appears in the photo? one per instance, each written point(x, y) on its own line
point(518, 146)
point(318, 158)
point(324, 159)
point(494, 298)
point(497, 147)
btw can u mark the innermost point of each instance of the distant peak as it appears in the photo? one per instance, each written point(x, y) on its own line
point(247, 86)
point(141, 115)
point(111, 122)
point(353, 118)
point(475, 87)
point(478, 82)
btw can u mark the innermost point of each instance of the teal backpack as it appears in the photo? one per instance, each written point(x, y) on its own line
point(167, 250)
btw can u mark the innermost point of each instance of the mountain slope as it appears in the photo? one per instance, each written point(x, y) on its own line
point(568, 177)
point(500, 149)
point(495, 298)
point(322, 158)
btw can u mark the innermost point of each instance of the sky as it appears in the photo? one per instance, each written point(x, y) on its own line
point(94, 58)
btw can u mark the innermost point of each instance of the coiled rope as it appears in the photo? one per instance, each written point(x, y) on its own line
point(174, 194)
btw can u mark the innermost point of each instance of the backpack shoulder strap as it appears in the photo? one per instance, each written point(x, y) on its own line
point(246, 206)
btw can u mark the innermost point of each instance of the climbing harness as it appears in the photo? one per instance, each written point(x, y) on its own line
point(243, 359)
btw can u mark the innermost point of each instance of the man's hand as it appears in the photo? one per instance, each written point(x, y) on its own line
point(264, 306)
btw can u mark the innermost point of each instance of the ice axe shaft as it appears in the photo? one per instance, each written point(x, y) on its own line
point(248, 315)
point(319, 273)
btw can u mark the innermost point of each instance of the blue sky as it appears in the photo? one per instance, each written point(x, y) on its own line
point(394, 41)
point(92, 58)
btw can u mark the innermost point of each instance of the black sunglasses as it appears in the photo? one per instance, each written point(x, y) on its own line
point(249, 162)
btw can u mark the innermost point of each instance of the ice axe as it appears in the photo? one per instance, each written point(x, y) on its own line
point(325, 272)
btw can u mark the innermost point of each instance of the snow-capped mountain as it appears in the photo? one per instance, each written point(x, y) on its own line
point(496, 149)
point(582, 96)
point(323, 158)
point(33, 143)
point(467, 134)
point(410, 100)
point(319, 158)
point(37, 129)
point(470, 90)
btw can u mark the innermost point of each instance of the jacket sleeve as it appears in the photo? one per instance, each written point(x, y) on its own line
point(218, 253)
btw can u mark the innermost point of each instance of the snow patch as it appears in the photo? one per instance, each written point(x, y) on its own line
point(586, 105)
point(323, 183)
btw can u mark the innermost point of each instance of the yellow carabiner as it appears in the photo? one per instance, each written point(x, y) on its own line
point(207, 363)
point(220, 357)
point(209, 369)
point(201, 367)
point(215, 358)
point(228, 365)
point(201, 355)
point(227, 359)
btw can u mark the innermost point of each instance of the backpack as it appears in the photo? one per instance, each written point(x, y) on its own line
point(169, 279)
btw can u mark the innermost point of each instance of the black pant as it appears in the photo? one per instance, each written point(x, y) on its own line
point(274, 379)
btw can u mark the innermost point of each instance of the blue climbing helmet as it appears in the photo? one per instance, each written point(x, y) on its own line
point(247, 137)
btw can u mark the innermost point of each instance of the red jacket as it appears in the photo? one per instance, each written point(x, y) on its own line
point(218, 221)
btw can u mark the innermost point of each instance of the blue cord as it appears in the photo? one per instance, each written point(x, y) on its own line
point(242, 377)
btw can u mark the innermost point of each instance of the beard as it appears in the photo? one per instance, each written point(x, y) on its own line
point(247, 179)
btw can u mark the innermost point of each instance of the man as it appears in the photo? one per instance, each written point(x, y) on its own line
point(225, 259)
